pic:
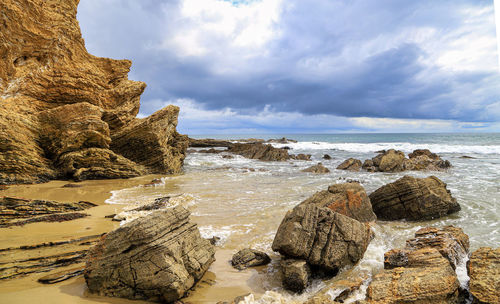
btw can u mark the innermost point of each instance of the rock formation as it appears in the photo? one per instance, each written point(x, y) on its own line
point(396, 161)
point(323, 238)
point(350, 164)
point(484, 273)
point(422, 272)
point(18, 211)
point(259, 151)
point(413, 199)
point(319, 169)
point(249, 258)
point(349, 199)
point(156, 257)
point(68, 114)
point(295, 274)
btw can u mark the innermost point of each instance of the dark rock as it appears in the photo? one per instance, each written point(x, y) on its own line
point(484, 272)
point(295, 274)
point(326, 156)
point(61, 276)
point(467, 157)
point(209, 143)
point(423, 152)
point(319, 169)
point(156, 257)
point(248, 258)
point(260, 151)
point(348, 199)
point(154, 182)
point(282, 140)
point(413, 199)
point(286, 148)
point(214, 240)
point(72, 186)
point(350, 164)
point(321, 237)
point(301, 156)
point(211, 151)
point(227, 156)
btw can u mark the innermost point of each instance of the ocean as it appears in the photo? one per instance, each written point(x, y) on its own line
point(243, 201)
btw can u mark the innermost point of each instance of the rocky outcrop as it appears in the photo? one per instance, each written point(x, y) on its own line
point(209, 143)
point(350, 164)
point(68, 114)
point(323, 238)
point(413, 199)
point(156, 257)
point(282, 140)
point(396, 161)
point(18, 211)
point(484, 273)
point(295, 274)
point(425, 277)
point(249, 258)
point(259, 151)
point(301, 156)
point(349, 199)
point(318, 169)
point(422, 272)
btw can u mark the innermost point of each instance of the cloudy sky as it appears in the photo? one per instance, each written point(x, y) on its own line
point(315, 66)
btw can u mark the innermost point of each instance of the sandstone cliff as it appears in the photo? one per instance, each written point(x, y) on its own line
point(67, 114)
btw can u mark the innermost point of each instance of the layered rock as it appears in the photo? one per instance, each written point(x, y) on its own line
point(249, 258)
point(62, 108)
point(18, 211)
point(259, 151)
point(156, 257)
point(396, 161)
point(323, 238)
point(350, 164)
point(388, 161)
point(413, 199)
point(484, 273)
point(318, 169)
point(349, 199)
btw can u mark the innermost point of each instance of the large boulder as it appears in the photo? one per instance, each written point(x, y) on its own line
point(259, 151)
point(318, 169)
point(156, 257)
point(349, 199)
point(62, 107)
point(323, 238)
point(396, 161)
point(350, 164)
point(425, 277)
point(413, 199)
point(387, 161)
point(423, 159)
point(484, 273)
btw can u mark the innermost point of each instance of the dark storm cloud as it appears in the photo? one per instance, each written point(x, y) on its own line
point(346, 58)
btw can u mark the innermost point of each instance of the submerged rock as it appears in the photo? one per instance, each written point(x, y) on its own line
point(295, 274)
point(484, 273)
point(259, 151)
point(319, 169)
point(301, 156)
point(349, 199)
point(327, 157)
point(282, 140)
point(413, 199)
point(350, 164)
point(156, 257)
point(68, 114)
point(248, 258)
point(321, 237)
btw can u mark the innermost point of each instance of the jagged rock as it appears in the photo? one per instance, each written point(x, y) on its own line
point(156, 257)
point(209, 143)
point(237, 300)
point(413, 199)
point(338, 291)
point(484, 272)
point(282, 140)
point(18, 211)
point(423, 152)
point(295, 274)
point(395, 161)
point(387, 161)
point(423, 159)
point(349, 199)
point(62, 107)
point(426, 277)
point(259, 151)
point(451, 242)
point(319, 169)
point(301, 156)
point(350, 164)
point(326, 156)
point(248, 258)
point(322, 237)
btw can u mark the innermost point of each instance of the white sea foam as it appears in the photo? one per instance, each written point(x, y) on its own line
point(403, 146)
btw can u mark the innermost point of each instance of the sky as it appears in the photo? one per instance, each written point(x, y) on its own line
point(316, 66)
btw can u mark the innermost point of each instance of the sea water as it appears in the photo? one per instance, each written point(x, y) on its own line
point(243, 201)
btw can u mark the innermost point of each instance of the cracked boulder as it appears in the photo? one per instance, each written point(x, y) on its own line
point(413, 199)
point(158, 257)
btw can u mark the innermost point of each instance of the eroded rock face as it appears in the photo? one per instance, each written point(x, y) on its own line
point(350, 164)
point(321, 237)
point(387, 161)
point(62, 107)
point(396, 161)
point(349, 199)
point(295, 274)
point(425, 277)
point(156, 257)
point(413, 199)
point(484, 273)
point(259, 151)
